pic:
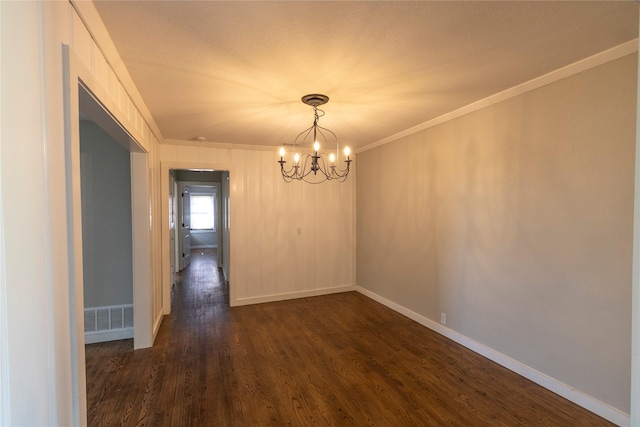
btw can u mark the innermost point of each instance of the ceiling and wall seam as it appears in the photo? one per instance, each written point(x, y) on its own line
point(234, 72)
point(584, 64)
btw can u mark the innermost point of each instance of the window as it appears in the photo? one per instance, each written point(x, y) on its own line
point(202, 212)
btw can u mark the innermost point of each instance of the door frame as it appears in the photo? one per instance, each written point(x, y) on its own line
point(184, 255)
point(81, 90)
point(165, 168)
point(217, 190)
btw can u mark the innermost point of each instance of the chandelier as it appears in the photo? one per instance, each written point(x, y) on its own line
point(315, 166)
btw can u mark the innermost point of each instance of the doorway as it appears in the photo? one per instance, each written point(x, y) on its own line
point(198, 222)
point(195, 178)
point(200, 218)
point(80, 99)
point(183, 385)
point(107, 250)
point(91, 108)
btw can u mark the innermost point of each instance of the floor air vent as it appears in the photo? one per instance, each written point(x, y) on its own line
point(108, 323)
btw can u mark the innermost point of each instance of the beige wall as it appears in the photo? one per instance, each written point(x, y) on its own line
point(516, 221)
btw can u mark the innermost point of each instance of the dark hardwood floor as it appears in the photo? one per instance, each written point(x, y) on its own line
point(340, 359)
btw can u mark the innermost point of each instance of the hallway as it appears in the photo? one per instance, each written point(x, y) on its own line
point(338, 359)
point(155, 386)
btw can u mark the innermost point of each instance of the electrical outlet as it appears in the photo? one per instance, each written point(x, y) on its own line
point(443, 318)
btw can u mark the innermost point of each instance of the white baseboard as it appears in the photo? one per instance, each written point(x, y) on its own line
point(120, 334)
point(588, 402)
point(291, 295)
point(157, 323)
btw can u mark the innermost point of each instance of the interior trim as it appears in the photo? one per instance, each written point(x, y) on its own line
point(576, 396)
point(293, 295)
point(593, 61)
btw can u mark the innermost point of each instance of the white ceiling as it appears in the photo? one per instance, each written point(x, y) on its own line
point(234, 72)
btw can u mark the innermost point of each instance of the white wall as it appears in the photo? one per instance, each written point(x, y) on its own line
point(516, 221)
point(31, 270)
point(287, 240)
point(41, 382)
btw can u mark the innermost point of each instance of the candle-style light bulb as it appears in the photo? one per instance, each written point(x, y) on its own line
point(347, 151)
point(296, 158)
point(316, 146)
point(332, 158)
point(281, 152)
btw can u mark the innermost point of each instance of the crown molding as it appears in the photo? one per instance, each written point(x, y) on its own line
point(593, 61)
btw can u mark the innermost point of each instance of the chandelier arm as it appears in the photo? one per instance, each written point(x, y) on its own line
point(334, 171)
point(306, 133)
point(323, 129)
point(310, 163)
point(333, 136)
point(288, 178)
point(306, 157)
point(286, 173)
point(325, 170)
point(291, 173)
point(322, 167)
point(314, 182)
point(345, 171)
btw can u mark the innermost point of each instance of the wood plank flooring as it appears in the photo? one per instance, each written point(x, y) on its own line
point(340, 359)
